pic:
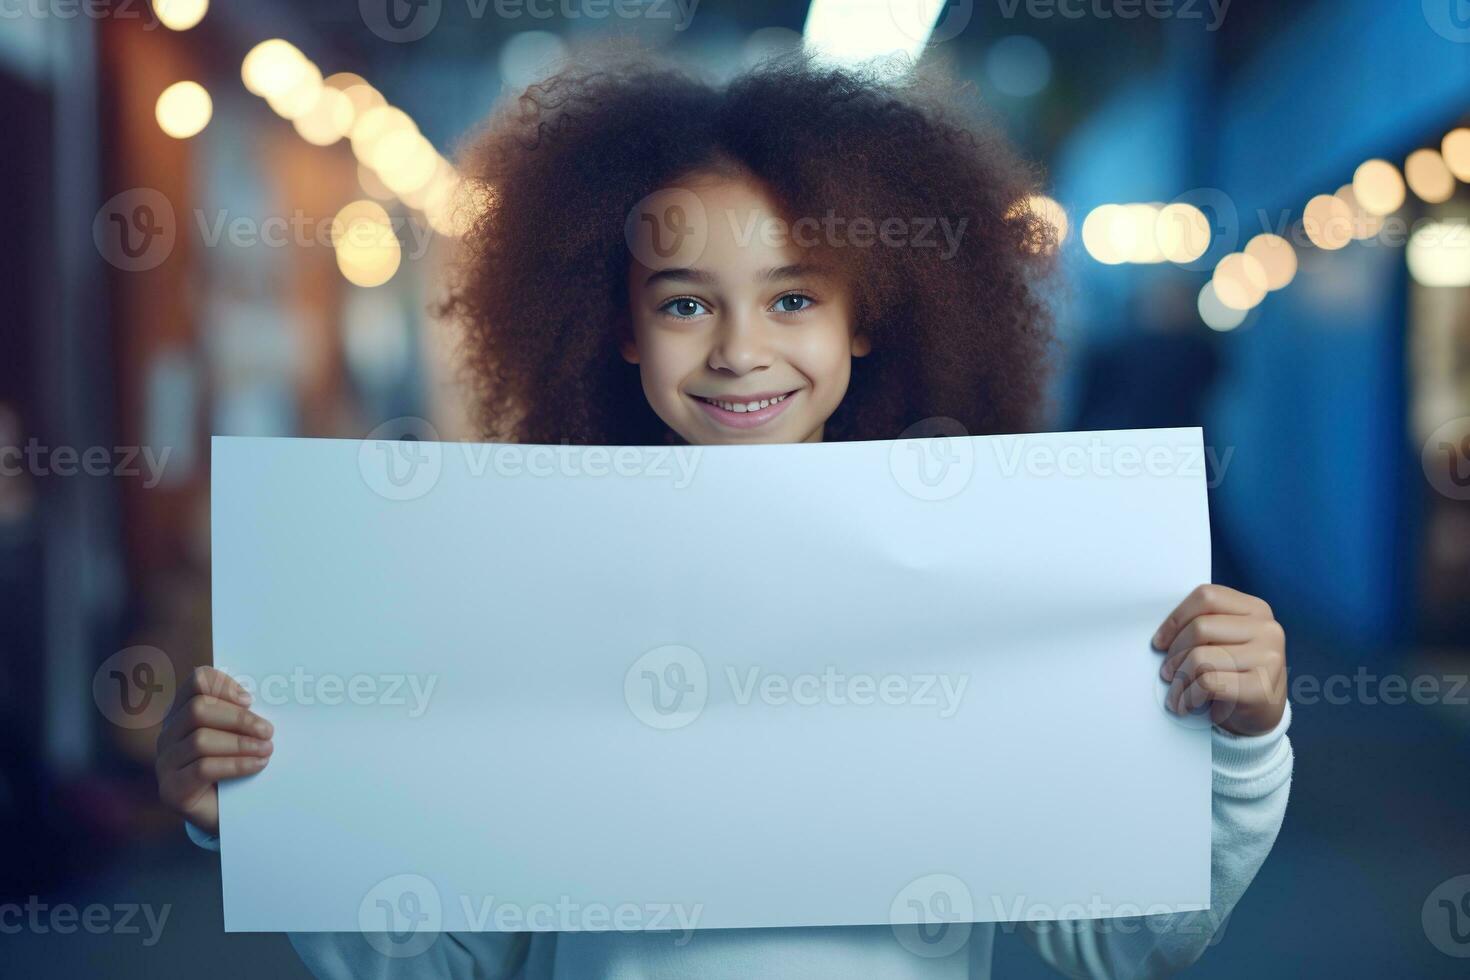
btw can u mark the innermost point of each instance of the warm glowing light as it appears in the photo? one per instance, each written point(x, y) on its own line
point(1240, 281)
point(364, 97)
point(180, 15)
point(368, 253)
point(404, 160)
point(1183, 233)
point(1217, 315)
point(298, 100)
point(1099, 236)
point(1142, 234)
point(273, 67)
point(1428, 176)
point(1364, 225)
point(1328, 222)
point(183, 109)
point(371, 184)
point(1456, 152)
point(1378, 187)
point(373, 125)
point(1439, 254)
point(1276, 257)
point(328, 120)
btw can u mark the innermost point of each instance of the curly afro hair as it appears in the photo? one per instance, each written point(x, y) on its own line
point(539, 286)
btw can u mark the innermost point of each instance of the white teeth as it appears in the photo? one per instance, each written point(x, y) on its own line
point(742, 407)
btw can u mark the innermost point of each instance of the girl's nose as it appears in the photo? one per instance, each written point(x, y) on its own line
point(742, 345)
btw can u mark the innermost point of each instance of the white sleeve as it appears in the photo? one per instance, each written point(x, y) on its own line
point(1252, 778)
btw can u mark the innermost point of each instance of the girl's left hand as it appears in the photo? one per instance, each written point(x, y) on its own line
point(1225, 648)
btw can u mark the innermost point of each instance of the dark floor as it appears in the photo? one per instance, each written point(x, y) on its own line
point(1379, 815)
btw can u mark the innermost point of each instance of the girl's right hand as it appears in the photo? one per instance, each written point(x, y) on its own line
point(210, 736)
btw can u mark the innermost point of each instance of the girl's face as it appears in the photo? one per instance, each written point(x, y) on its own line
point(737, 337)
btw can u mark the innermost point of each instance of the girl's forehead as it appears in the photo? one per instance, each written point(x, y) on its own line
point(727, 227)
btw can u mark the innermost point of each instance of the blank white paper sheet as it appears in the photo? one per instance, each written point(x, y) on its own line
point(567, 688)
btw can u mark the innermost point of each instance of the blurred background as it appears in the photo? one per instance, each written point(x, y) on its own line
point(231, 218)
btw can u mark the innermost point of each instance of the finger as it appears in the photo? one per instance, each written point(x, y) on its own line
point(213, 769)
point(205, 742)
point(1213, 685)
point(1205, 599)
point(203, 711)
point(1195, 660)
point(215, 683)
point(1214, 630)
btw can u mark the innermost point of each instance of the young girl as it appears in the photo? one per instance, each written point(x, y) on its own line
point(807, 254)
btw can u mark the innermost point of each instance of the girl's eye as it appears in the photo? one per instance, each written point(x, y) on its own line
point(684, 308)
point(793, 303)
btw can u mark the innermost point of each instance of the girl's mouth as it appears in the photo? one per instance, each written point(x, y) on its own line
point(746, 411)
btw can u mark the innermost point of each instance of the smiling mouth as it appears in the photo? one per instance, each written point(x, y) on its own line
point(746, 412)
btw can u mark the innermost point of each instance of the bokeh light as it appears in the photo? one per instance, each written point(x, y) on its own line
point(1428, 177)
point(1276, 257)
point(368, 253)
point(1328, 222)
point(1378, 187)
point(1240, 281)
point(180, 15)
point(1215, 314)
point(184, 109)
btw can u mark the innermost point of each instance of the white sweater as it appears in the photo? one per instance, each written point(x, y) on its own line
point(1252, 777)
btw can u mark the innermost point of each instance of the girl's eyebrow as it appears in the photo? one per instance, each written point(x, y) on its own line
point(796, 271)
point(680, 275)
